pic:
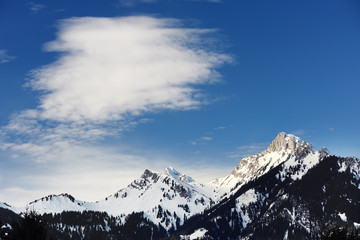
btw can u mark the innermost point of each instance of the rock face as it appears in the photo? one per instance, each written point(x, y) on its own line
point(285, 142)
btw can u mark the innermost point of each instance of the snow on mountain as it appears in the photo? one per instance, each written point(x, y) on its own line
point(352, 165)
point(298, 199)
point(241, 204)
point(166, 198)
point(285, 148)
point(6, 206)
point(197, 235)
point(288, 187)
point(170, 198)
point(57, 204)
point(176, 175)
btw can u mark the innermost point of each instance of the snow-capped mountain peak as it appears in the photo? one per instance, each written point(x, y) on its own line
point(289, 144)
point(283, 148)
point(56, 204)
point(51, 197)
point(170, 171)
point(167, 199)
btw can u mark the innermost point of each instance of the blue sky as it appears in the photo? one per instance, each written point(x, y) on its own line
point(94, 92)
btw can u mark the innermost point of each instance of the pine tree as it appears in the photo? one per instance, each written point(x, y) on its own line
point(30, 227)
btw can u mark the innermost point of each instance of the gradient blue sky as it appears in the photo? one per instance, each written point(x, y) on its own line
point(272, 66)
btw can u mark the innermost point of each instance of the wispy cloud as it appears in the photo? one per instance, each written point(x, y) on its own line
point(206, 138)
point(4, 57)
point(120, 67)
point(220, 128)
point(298, 132)
point(112, 71)
point(201, 140)
point(246, 150)
point(35, 7)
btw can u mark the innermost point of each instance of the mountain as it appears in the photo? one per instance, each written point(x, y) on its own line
point(284, 148)
point(170, 197)
point(301, 194)
point(6, 213)
point(166, 199)
point(288, 191)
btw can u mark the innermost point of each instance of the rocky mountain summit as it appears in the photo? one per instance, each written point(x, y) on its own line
point(285, 142)
point(283, 148)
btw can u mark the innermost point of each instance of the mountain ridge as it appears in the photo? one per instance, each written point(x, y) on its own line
point(172, 201)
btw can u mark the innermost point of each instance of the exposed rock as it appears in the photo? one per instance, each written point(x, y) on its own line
point(284, 141)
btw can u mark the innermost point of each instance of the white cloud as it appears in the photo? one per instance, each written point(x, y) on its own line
point(113, 68)
point(298, 132)
point(201, 140)
point(35, 7)
point(111, 71)
point(246, 150)
point(4, 57)
point(206, 138)
point(47, 141)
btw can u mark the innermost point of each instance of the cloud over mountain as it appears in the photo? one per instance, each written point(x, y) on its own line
point(114, 67)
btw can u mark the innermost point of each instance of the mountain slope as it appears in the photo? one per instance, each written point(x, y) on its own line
point(166, 198)
point(277, 206)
